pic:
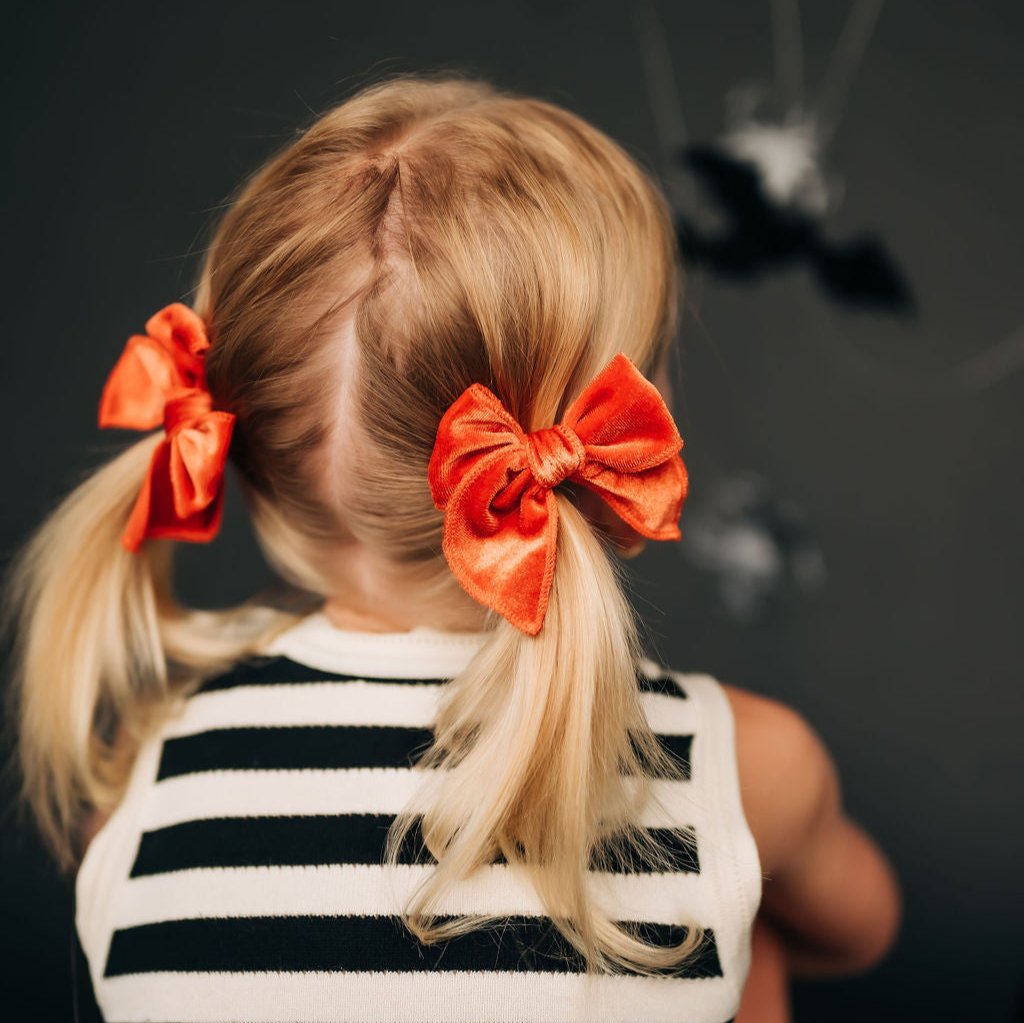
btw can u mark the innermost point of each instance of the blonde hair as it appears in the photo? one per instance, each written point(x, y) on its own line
point(465, 235)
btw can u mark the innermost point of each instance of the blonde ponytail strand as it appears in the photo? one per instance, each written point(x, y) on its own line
point(101, 648)
point(542, 753)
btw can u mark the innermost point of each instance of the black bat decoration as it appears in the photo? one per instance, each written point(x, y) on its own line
point(761, 236)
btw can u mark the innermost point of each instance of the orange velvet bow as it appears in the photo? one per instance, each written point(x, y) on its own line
point(161, 378)
point(494, 482)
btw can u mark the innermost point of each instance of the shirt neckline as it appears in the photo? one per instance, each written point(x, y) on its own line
point(422, 652)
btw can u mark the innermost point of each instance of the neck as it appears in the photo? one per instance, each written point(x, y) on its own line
point(375, 595)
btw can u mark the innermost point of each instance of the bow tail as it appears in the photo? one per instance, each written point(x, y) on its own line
point(500, 543)
point(182, 496)
point(199, 451)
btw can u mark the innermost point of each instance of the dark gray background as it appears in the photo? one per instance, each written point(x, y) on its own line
point(126, 125)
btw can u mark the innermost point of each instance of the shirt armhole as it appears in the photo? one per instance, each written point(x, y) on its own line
point(108, 861)
point(740, 885)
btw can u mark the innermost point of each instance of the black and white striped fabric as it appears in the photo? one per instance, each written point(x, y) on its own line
point(241, 876)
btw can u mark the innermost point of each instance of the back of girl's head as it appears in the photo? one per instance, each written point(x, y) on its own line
point(419, 237)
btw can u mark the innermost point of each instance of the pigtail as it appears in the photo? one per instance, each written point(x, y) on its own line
point(543, 754)
point(101, 648)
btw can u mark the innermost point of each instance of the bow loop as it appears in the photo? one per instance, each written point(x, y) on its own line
point(153, 368)
point(161, 378)
point(179, 329)
point(623, 421)
point(495, 483)
point(477, 425)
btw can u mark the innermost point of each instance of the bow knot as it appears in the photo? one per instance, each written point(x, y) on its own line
point(494, 482)
point(183, 408)
point(161, 378)
point(554, 454)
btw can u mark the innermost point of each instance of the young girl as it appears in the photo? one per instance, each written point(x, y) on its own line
point(450, 785)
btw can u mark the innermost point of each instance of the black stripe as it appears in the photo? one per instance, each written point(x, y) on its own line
point(367, 943)
point(293, 747)
point(678, 748)
point(273, 671)
point(276, 671)
point(340, 839)
point(678, 845)
point(325, 747)
point(662, 683)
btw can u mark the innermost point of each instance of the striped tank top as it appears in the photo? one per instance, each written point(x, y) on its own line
point(241, 876)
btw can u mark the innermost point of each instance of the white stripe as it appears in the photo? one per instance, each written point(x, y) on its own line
point(456, 997)
point(361, 703)
point(207, 794)
point(368, 890)
point(669, 715)
point(310, 703)
point(280, 793)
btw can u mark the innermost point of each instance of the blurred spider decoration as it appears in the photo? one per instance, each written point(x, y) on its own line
point(753, 547)
point(763, 193)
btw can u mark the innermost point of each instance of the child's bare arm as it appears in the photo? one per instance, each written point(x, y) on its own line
point(829, 891)
point(766, 994)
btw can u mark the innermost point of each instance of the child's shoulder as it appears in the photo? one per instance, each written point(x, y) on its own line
point(786, 772)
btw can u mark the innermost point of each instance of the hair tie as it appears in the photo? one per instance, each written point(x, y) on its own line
point(494, 483)
point(161, 378)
